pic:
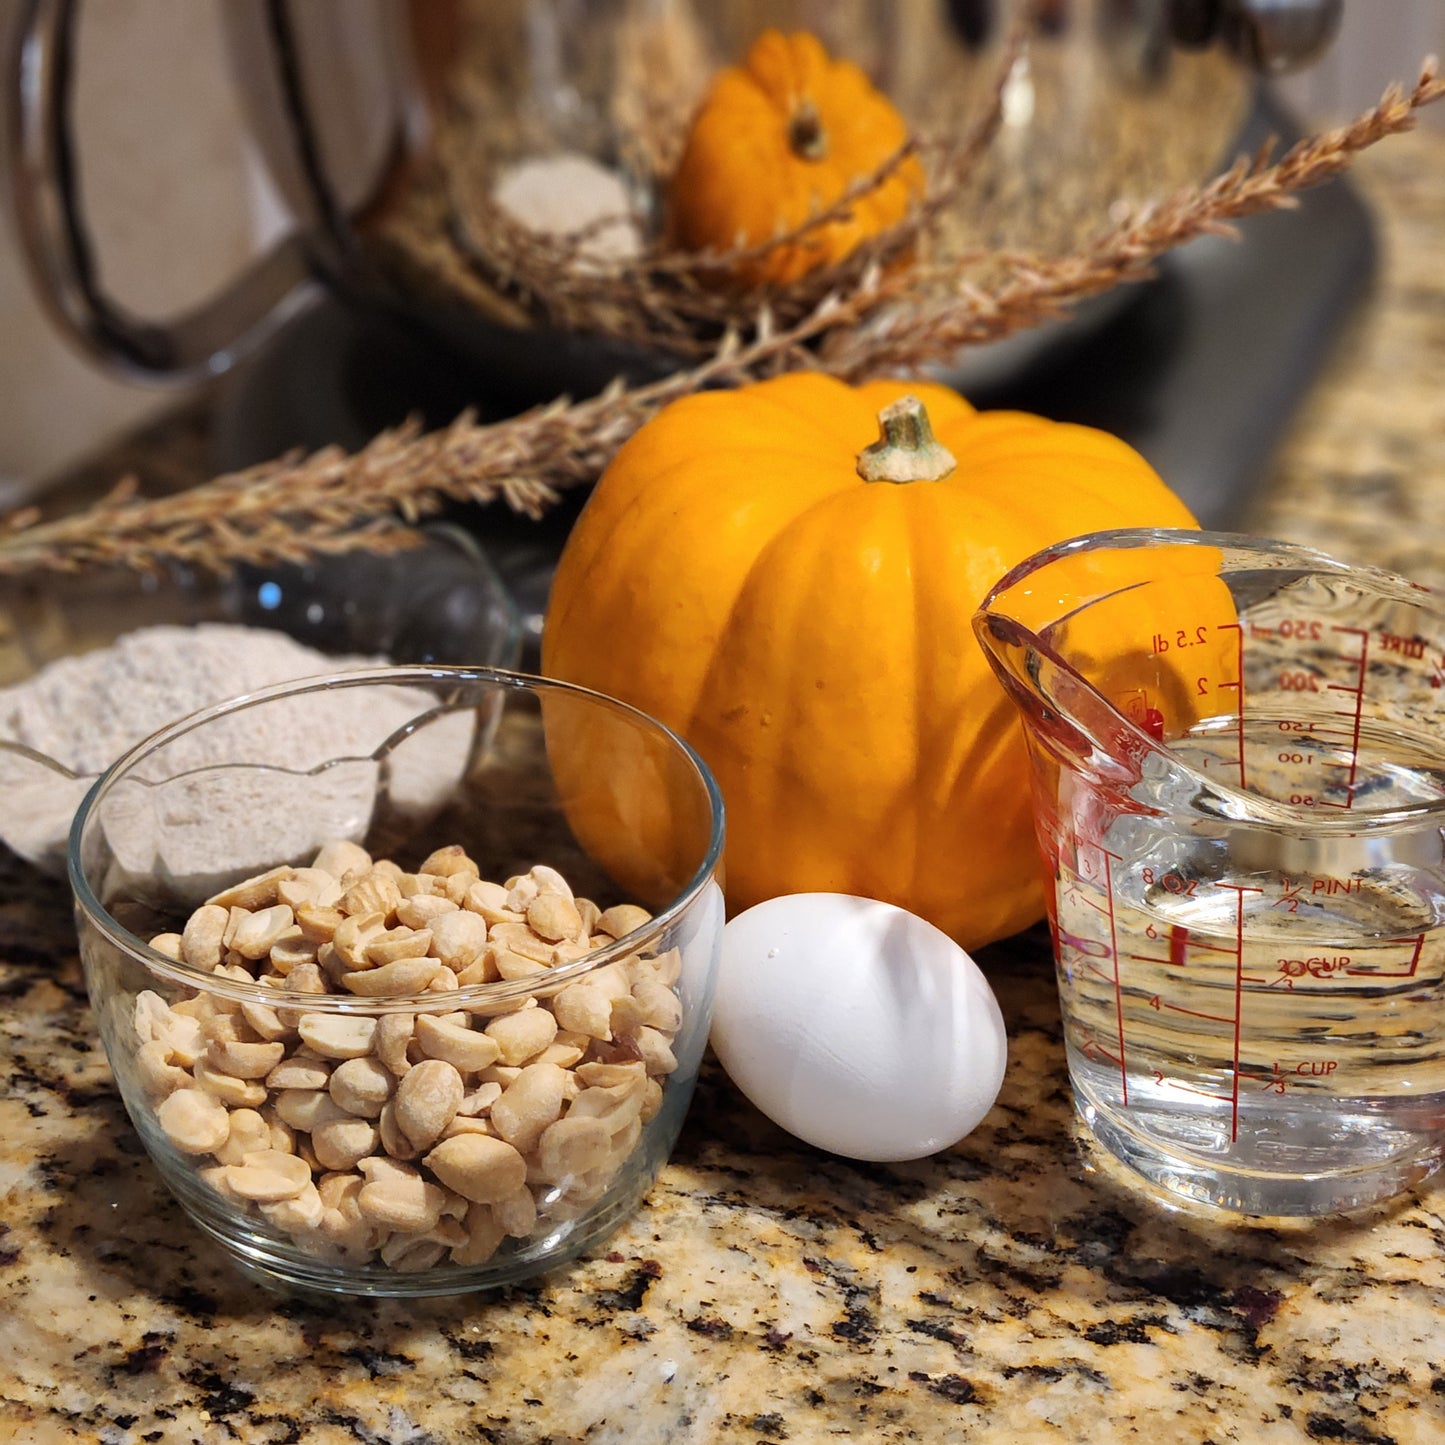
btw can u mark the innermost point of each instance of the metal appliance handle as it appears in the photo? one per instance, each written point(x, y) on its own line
point(1273, 36)
point(56, 243)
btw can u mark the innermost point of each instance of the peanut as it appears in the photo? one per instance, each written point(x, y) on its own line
point(299, 1214)
point(462, 1047)
point(522, 1035)
point(426, 1098)
point(341, 1143)
point(159, 1074)
point(572, 1146)
point(194, 1121)
point(268, 1177)
point(478, 1167)
point(300, 1071)
point(622, 919)
point(338, 1036)
point(401, 979)
point(457, 938)
point(362, 1086)
point(339, 857)
point(528, 1104)
point(553, 917)
point(398, 1197)
point(252, 934)
point(201, 939)
point(249, 1134)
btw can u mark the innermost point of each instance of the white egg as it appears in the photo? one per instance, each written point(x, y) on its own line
point(856, 1026)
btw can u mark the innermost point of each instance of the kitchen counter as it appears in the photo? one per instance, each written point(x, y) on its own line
point(1014, 1288)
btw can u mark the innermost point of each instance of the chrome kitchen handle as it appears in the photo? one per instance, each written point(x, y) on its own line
point(56, 243)
point(1272, 35)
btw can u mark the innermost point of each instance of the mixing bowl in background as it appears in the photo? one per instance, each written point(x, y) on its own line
point(419, 1076)
point(439, 602)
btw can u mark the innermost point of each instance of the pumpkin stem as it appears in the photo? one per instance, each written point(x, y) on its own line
point(906, 449)
point(806, 133)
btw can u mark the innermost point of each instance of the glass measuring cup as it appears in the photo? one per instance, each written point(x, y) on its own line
point(1238, 767)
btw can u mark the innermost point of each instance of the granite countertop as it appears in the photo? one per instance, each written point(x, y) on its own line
point(1014, 1288)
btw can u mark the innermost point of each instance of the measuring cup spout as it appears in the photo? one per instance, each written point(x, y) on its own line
point(1097, 642)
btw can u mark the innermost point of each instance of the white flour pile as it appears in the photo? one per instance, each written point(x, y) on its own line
point(203, 828)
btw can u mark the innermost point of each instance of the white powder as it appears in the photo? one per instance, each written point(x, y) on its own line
point(185, 820)
point(86, 711)
point(564, 193)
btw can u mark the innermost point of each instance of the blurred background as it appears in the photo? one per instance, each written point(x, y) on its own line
point(154, 102)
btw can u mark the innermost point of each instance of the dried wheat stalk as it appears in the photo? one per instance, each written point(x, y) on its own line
point(886, 322)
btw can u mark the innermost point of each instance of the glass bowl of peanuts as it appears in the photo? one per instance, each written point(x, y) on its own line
point(404, 974)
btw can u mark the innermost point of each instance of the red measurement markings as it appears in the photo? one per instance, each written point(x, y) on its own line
point(1118, 988)
point(1353, 712)
point(1195, 944)
point(1407, 972)
point(1238, 686)
point(1185, 1088)
point(1157, 1003)
point(1091, 1048)
point(1179, 944)
point(1238, 952)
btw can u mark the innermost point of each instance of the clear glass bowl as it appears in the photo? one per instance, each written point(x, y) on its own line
point(439, 602)
point(551, 1045)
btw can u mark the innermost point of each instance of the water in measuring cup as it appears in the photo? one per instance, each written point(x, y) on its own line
point(1253, 1016)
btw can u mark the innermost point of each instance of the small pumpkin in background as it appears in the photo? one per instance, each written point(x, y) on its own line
point(778, 139)
point(793, 595)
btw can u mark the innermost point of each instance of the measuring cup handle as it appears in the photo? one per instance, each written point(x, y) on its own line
point(55, 240)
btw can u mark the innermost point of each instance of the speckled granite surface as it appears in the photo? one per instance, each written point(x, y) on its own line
point(1013, 1289)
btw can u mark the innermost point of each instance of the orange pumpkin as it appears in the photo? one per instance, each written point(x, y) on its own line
point(807, 629)
point(778, 139)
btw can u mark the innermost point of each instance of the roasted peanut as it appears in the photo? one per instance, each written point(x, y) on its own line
point(528, 1104)
point(462, 1047)
point(622, 919)
point(457, 938)
point(300, 1071)
point(401, 979)
point(426, 1098)
point(446, 861)
point(570, 1147)
point(398, 1197)
point(521, 1036)
point(553, 917)
point(422, 910)
point(301, 1213)
point(338, 1036)
point(341, 1143)
point(249, 1134)
point(268, 1177)
point(478, 1167)
point(253, 934)
point(340, 857)
point(159, 1073)
point(376, 892)
point(245, 1060)
point(194, 1121)
point(201, 939)
point(362, 1086)
point(393, 1034)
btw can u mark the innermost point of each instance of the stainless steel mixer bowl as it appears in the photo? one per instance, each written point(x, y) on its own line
point(357, 105)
